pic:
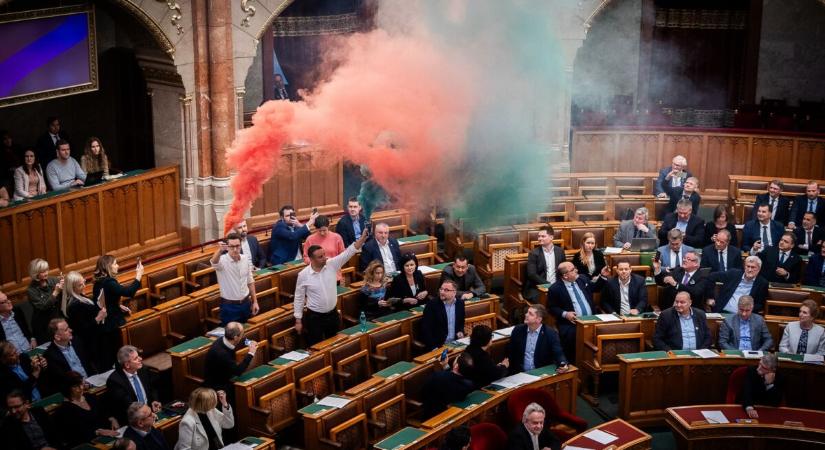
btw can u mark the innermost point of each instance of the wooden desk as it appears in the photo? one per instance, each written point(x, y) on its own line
point(181, 383)
point(772, 429)
point(650, 382)
point(630, 437)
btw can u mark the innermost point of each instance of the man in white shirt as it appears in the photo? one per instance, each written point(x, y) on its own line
point(383, 248)
point(542, 263)
point(317, 290)
point(671, 255)
point(236, 281)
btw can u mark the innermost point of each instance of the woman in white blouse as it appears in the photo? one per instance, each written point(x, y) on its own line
point(28, 178)
point(200, 428)
point(804, 336)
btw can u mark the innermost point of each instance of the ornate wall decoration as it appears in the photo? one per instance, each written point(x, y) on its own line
point(176, 16)
point(249, 10)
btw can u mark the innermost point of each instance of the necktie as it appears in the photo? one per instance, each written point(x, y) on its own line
point(721, 261)
point(686, 278)
point(810, 206)
point(54, 139)
point(580, 300)
point(772, 204)
point(802, 347)
point(773, 208)
point(782, 258)
point(138, 391)
point(765, 235)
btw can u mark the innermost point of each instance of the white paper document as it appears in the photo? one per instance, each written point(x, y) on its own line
point(611, 251)
point(752, 354)
point(99, 380)
point(705, 353)
point(516, 380)
point(715, 316)
point(600, 436)
point(608, 318)
point(715, 417)
point(573, 447)
point(217, 332)
point(426, 269)
point(295, 355)
point(335, 402)
point(464, 340)
point(237, 446)
point(813, 358)
point(504, 331)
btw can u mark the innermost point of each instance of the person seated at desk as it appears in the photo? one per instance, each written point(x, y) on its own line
point(27, 427)
point(721, 255)
point(542, 263)
point(330, 241)
point(19, 372)
point(407, 285)
point(250, 245)
point(94, 158)
point(65, 354)
point(762, 232)
point(533, 344)
point(443, 318)
point(678, 169)
point(351, 224)
point(807, 202)
point(589, 260)
point(691, 226)
point(221, 366)
point(447, 386)
point(570, 297)
point(466, 278)
point(672, 254)
point(13, 326)
point(686, 278)
point(485, 371)
point(815, 270)
point(722, 221)
point(287, 234)
point(804, 336)
point(745, 331)
point(532, 433)
point(374, 292)
point(383, 248)
point(130, 382)
point(688, 192)
point(736, 283)
point(141, 429)
point(28, 178)
point(79, 418)
point(626, 293)
point(761, 386)
point(780, 206)
point(682, 327)
point(201, 426)
point(457, 439)
point(809, 237)
point(779, 263)
point(64, 171)
point(635, 228)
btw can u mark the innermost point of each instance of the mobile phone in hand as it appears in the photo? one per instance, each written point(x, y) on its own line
point(658, 256)
point(443, 356)
point(314, 210)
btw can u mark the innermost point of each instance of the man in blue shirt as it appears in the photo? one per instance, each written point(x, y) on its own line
point(745, 330)
point(682, 327)
point(533, 344)
point(65, 354)
point(443, 318)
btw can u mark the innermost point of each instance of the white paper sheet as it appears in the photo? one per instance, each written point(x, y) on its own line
point(573, 447)
point(715, 417)
point(516, 380)
point(813, 358)
point(612, 250)
point(464, 340)
point(335, 402)
point(99, 379)
point(705, 353)
point(600, 436)
point(426, 269)
point(497, 336)
point(715, 316)
point(237, 446)
point(295, 355)
point(752, 354)
point(608, 318)
point(217, 332)
point(505, 331)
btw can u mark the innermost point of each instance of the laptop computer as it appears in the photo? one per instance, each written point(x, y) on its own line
point(93, 178)
point(644, 244)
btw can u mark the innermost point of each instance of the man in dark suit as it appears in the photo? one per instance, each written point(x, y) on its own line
point(678, 168)
point(447, 386)
point(250, 245)
point(809, 237)
point(466, 278)
point(542, 264)
point(19, 372)
point(686, 278)
point(721, 256)
point(47, 142)
point(129, 383)
point(13, 326)
point(65, 354)
point(141, 429)
point(686, 192)
point(762, 386)
point(443, 318)
point(626, 293)
point(569, 297)
point(780, 206)
point(809, 201)
point(736, 283)
point(758, 336)
point(351, 224)
point(682, 327)
point(815, 270)
point(761, 233)
point(544, 347)
point(281, 92)
point(220, 366)
point(287, 235)
point(692, 227)
point(532, 432)
point(779, 263)
point(27, 427)
point(383, 248)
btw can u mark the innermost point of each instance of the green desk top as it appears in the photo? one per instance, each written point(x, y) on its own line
point(192, 344)
point(732, 353)
point(52, 400)
point(401, 438)
point(51, 194)
point(440, 266)
point(790, 357)
point(587, 318)
point(814, 288)
point(315, 408)
point(258, 372)
point(342, 289)
point(283, 361)
point(474, 398)
point(544, 286)
point(252, 440)
point(357, 328)
point(400, 315)
point(545, 370)
point(645, 355)
point(398, 368)
point(416, 238)
point(37, 351)
point(418, 309)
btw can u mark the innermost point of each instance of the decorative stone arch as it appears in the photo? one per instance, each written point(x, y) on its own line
point(151, 25)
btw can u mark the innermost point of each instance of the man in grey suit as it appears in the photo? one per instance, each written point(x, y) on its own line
point(745, 330)
point(634, 228)
point(671, 255)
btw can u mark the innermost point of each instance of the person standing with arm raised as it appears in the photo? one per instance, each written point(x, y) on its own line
point(236, 281)
point(106, 282)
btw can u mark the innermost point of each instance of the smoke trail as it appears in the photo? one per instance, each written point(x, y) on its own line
point(371, 195)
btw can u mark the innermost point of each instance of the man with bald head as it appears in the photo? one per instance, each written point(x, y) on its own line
point(571, 296)
point(721, 256)
point(383, 248)
point(682, 327)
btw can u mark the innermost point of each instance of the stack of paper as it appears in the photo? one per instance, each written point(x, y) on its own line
point(335, 402)
point(715, 316)
point(600, 436)
point(705, 353)
point(99, 380)
point(516, 380)
point(217, 332)
point(237, 446)
point(295, 355)
point(608, 318)
point(426, 269)
point(612, 250)
point(505, 331)
point(809, 358)
point(464, 340)
point(752, 354)
point(715, 417)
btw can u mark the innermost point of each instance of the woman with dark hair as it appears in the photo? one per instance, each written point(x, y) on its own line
point(330, 241)
point(722, 220)
point(485, 371)
point(106, 283)
point(408, 285)
point(94, 157)
point(79, 418)
point(28, 178)
point(374, 292)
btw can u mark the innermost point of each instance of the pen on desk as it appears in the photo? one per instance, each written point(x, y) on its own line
point(609, 432)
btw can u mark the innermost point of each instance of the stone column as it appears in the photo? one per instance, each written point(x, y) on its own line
point(221, 83)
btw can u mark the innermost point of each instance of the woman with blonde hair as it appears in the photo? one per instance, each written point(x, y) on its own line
point(200, 427)
point(94, 157)
point(589, 260)
point(112, 291)
point(44, 294)
point(85, 317)
point(374, 292)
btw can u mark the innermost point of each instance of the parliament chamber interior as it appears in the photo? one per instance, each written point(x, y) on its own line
point(334, 224)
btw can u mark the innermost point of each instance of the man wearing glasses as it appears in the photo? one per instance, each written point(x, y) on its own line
point(236, 281)
point(686, 278)
point(443, 319)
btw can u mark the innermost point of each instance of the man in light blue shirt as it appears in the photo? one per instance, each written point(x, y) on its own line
point(682, 327)
point(66, 354)
point(13, 327)
point(64, 171)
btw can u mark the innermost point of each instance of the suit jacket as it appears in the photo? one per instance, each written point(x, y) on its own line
point(46, 149)
point(285, 242)
point(817, 240)
point(627, 231)
point(677, 194)
point(783, 207)
point(345, 229)
point(698, 286)
point(668, 334)
point(710, 258)
point(548, 348)
point(485, 370)
point(800, 205)
point(191, 433)
point(21, 322)
point(710, 230)
point(611, 300)
point(537, 270)
point(695, 231)
point(14, 437)
point(399, 288)
point(58, 367)
point(220, 367)
point(370, 252)
point(120, 393)
point(792, 333)
point(770, 262)
point(752, 232)
point(442, 388)
point(470, 282)
point(434, 322)
point(598, 263)
point(664, 252)
point(730, 281)
point(257, 251)
point(754, 391)
point(9, 381)
point(559, 300)
point(154, 440)
point(112, 292)
point(519, 439)
point(813, 271)
point(760, 335)
point(658, 188)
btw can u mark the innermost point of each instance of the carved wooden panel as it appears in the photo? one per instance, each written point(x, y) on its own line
point(772, 156)
point(810, 159)
point(688, 145)
point(637, 153)
point(726, 155)
point(588, 145)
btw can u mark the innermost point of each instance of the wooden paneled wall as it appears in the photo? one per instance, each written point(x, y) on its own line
point(134, 215)
point(712, 154)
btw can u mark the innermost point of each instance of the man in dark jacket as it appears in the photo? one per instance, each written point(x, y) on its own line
point(65, 354)
point(443, 318)
point(447, 386)
point(538, 270)
point(532, 432)
point(571, 296)
point(352, 224)
point(220, 366)
point(626, 293)
point(533, 344)
point(130, 382)
point(27, 427)
point(19, 372)
point(682, 327)
point(141, 429)
point(466, 278)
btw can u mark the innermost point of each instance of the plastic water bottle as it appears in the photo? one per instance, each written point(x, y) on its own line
point(363, 321)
